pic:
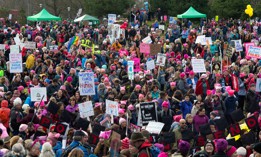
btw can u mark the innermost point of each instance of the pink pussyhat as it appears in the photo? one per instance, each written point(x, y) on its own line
point(122, 88)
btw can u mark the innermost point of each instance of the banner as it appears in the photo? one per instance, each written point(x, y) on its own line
point(254, 52)
point(198, 65)
point(161, 59)
point(150, 65)
point(247, 45)
point(37, 93)
point(14, 49)
point(86, 83)
point(131, 70)
point(154, 127)
point(15, 63)
point(148, 113)
point(145, 48)
point(86, 109)
point(258, 84)
point(155, 48)
point(238, 45)
point(136, 64)
point(111, 18)
point(112, 107)
point(30, 45)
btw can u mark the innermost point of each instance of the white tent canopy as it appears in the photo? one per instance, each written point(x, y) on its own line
point(87, 17)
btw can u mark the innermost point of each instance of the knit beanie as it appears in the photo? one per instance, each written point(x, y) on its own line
point(184, 147)
point(231, 151)
point(221, 145)
point(125, 143)
point(241, 151)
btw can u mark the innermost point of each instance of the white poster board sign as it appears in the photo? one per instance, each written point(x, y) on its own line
point(147, 40)
point(150, 65)
point(37, 93)
point(258, 84)
point(86, 109)
point(154, 127)
point(130, 70)
point(161, 59)
point(86, 83)
point(162, 27)
point(209, 40)
point(198, 65)
point(30, 45)
point(201, 39)
point(2, 46)
point(112, 107)
point(111, 18)
point(14, 49)
point(16, 63)
point(238, 45)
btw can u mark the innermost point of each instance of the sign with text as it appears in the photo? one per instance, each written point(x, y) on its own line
point(14, 49)
point(136, 64)
point(198, 65)
point(2, 46)
point(16, 64)
point(86, 83)
point(37, 93)
point(258, 85)
point(30, 45)
point(154, 127)
point(161, 59)
point(111, 18)
point(131, 70)
point(247, 45)
point(238, 45)
point(254, 52)
point(144, 48)
point(147, 40)
point(148, 113)
point(155, 48)
point(150, 65)
point(201, 39)
point(86, 109)
point(112, 107)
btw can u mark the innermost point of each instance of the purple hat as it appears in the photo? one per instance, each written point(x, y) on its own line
point(184, 147)
point(221, 145)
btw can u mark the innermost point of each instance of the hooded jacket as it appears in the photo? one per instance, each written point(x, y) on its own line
point(4, 108)
point(143, 150)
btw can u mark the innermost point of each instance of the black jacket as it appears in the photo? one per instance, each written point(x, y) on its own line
point(252, 101)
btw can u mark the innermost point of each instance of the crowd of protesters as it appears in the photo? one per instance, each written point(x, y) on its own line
point(185, 100)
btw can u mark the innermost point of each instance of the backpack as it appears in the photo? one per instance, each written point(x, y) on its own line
point(68, 150)
point(153, 151)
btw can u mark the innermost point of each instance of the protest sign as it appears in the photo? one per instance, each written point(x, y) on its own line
point(15, 62)
point(145, 48)
point(162, 27)
point(238, 45)
point(150, 65)
point(82, 124)
point(111, 18)
point(209, 40)
point(154, 127)
point(201, 39)
point(161, 59)
point(53, 47)
point(198, 65)
point(254, 52)
point(252, 122)
point(258, 84)
point(115, 143)
point(30, 45)
point(2, 46)
point(86, 83)
point(14, 49)
point(112, 107)
point(148, 113)
point(136, 64)
point(130, 70)
point(86, 109)
point(234, 129)
point(61, 128)
point(37, 93)
point(147, 40)
point(237, 115)
point(45, 121)
point(247, 45)
point(67, 117)
point(17, 40)
point(155, 48)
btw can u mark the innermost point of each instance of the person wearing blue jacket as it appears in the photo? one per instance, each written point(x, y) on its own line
point(78, 141)
point(185, 106)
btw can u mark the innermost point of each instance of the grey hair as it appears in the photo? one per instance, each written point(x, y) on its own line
point(18, 149)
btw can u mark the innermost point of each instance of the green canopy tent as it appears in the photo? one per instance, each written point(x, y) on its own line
point(87, 17)
point(191, 13)
point(44, 15)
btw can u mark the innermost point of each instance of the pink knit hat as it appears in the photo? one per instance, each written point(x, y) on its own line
point(182, 75)
point(69, 79)
point(63, 87)
point(141, 96)
point(125, 143)
point(172, 84)
point(20, 88)
point(165, 104)
point(121, 111)
point(23, 127)
point(138, 87)
point(122, 88)
point(231, 92)
point(131, 107)
point(163, 154)
point(122, 120)
point(231, 151)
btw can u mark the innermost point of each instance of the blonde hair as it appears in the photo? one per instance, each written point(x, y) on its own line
point(76, 153)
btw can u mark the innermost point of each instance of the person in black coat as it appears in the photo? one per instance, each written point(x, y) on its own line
point(252, 100)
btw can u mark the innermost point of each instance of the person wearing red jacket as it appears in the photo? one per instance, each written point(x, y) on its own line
point(4, 113)
point(202, 86)
point(139, 142)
